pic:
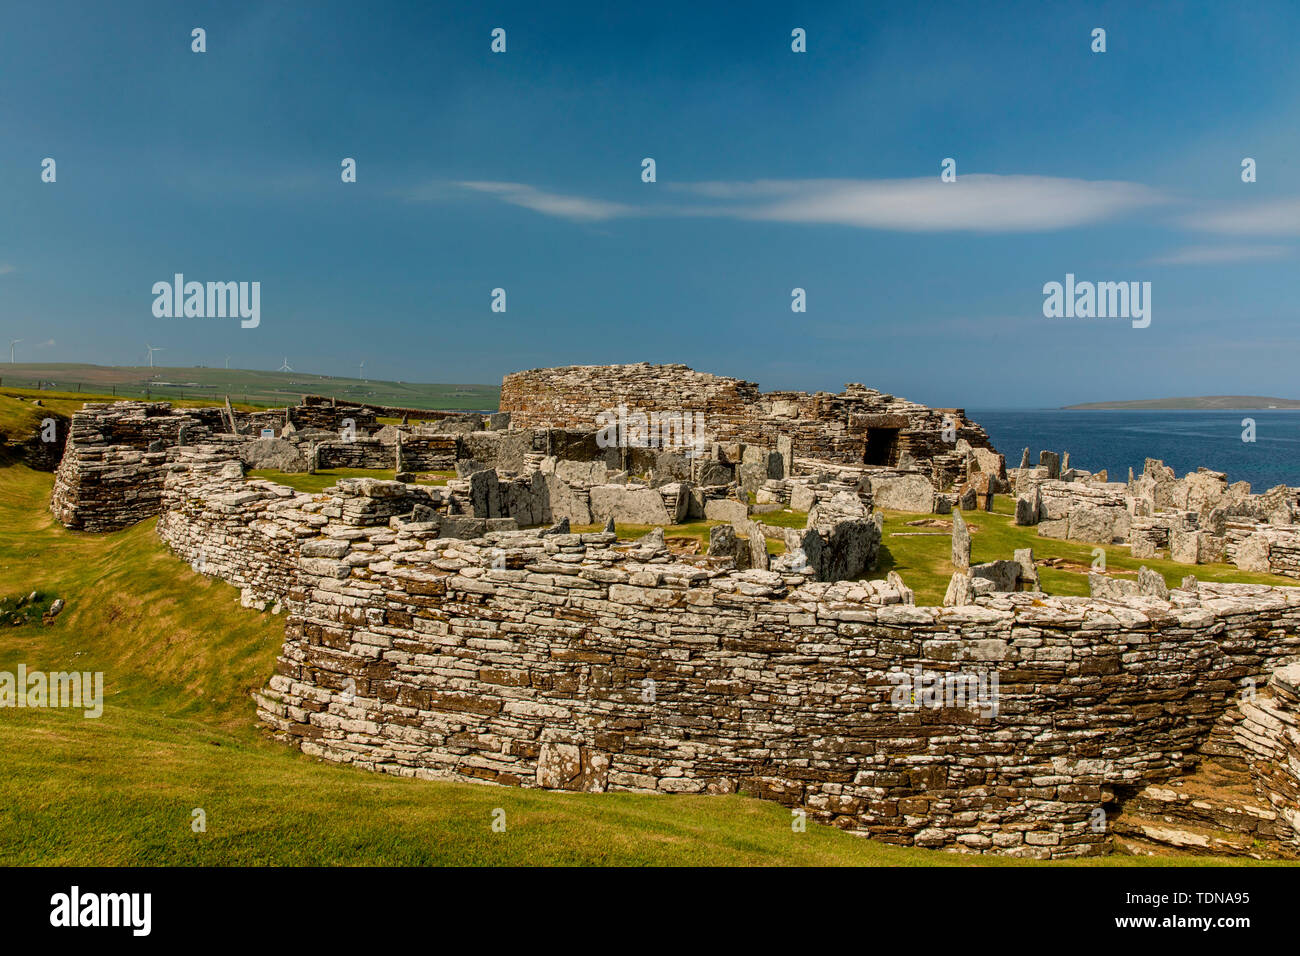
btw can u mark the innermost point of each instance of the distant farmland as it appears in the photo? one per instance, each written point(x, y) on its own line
point(243, 385)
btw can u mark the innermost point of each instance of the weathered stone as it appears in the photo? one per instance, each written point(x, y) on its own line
point(912, 493)
point(960, 542)
point(1253, 554)
point(1052, 462)
point(1028, 571)
point(726, 509)
point(960, 591)
point(1152, 584)
point(560, 527)
point(629, 504)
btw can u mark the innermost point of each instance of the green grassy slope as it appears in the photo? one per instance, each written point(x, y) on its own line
point(180, 656)
point(253, 386)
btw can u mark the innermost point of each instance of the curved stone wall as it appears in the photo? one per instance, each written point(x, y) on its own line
point(572, 661)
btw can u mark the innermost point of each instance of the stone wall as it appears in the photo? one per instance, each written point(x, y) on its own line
point(326, 414)
point(1269, 733)
point(571, 661)
point(860, 425)
point(428, 452)
point(358, 453)
point(1271, 549)
point(112, 470)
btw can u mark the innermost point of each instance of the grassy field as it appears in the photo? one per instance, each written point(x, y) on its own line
point(326, 477)
point(20, 416)
point(250, 386)
point(922, 555)
point(180, 657)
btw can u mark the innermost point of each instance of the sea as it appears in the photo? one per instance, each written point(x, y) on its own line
point(1184, 439)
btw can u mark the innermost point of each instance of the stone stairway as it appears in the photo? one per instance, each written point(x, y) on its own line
point(1213, 810)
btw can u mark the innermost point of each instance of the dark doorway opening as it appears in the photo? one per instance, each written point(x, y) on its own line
point(882, 446)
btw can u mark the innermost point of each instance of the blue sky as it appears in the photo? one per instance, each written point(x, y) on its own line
point(775, 170)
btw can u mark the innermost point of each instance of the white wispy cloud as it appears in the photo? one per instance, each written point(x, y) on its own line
point(1207, 255)
point(6, 268)
point(975, 202)
point(1271, 217)
point(579, 208)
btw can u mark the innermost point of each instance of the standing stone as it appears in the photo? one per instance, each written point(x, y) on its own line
point(653, 540)
point(1111, 589)
point(1185, 547)
point(785, 448)
point(1065, 462)
point(1216, 522)
point(715, 473)
point(1028, 572)
point(1152, 584)
point(960, 542)
point(895, 581)
point(913, 493)
point(758, 557)
point(609, 525)
point(1026, 511)
point(1253, 554)
point(485, 494)
point(1052, 462)
point(1024, 459)
point(961, 591)
point(722, 541)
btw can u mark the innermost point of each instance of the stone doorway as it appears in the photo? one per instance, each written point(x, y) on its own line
point(882, 446)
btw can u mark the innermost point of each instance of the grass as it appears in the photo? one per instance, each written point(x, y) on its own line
point(923, 555)
point(925, 561)
point(318, 481)
point(65, 403)
point(257, 387)
point(19, 420)
point(180, 657)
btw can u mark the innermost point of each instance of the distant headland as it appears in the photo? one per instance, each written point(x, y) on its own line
point(1201, 402)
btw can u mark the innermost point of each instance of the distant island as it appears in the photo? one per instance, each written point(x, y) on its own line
point(1201, 402)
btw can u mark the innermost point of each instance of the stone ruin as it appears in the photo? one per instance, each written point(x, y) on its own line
point(1200, 518)
point(859, 426)
point(468, 631)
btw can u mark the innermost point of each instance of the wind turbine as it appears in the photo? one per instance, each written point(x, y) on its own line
point(152, 349)
point(285, 367)
point(362, 370)
point(227, 361)
point(12, 343)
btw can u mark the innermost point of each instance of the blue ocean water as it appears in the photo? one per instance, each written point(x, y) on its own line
point(1185, 440)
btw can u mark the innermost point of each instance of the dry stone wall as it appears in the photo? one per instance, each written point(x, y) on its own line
point(860, 425)
point(574, 661)
point(1269, 734)
point(112, 470)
